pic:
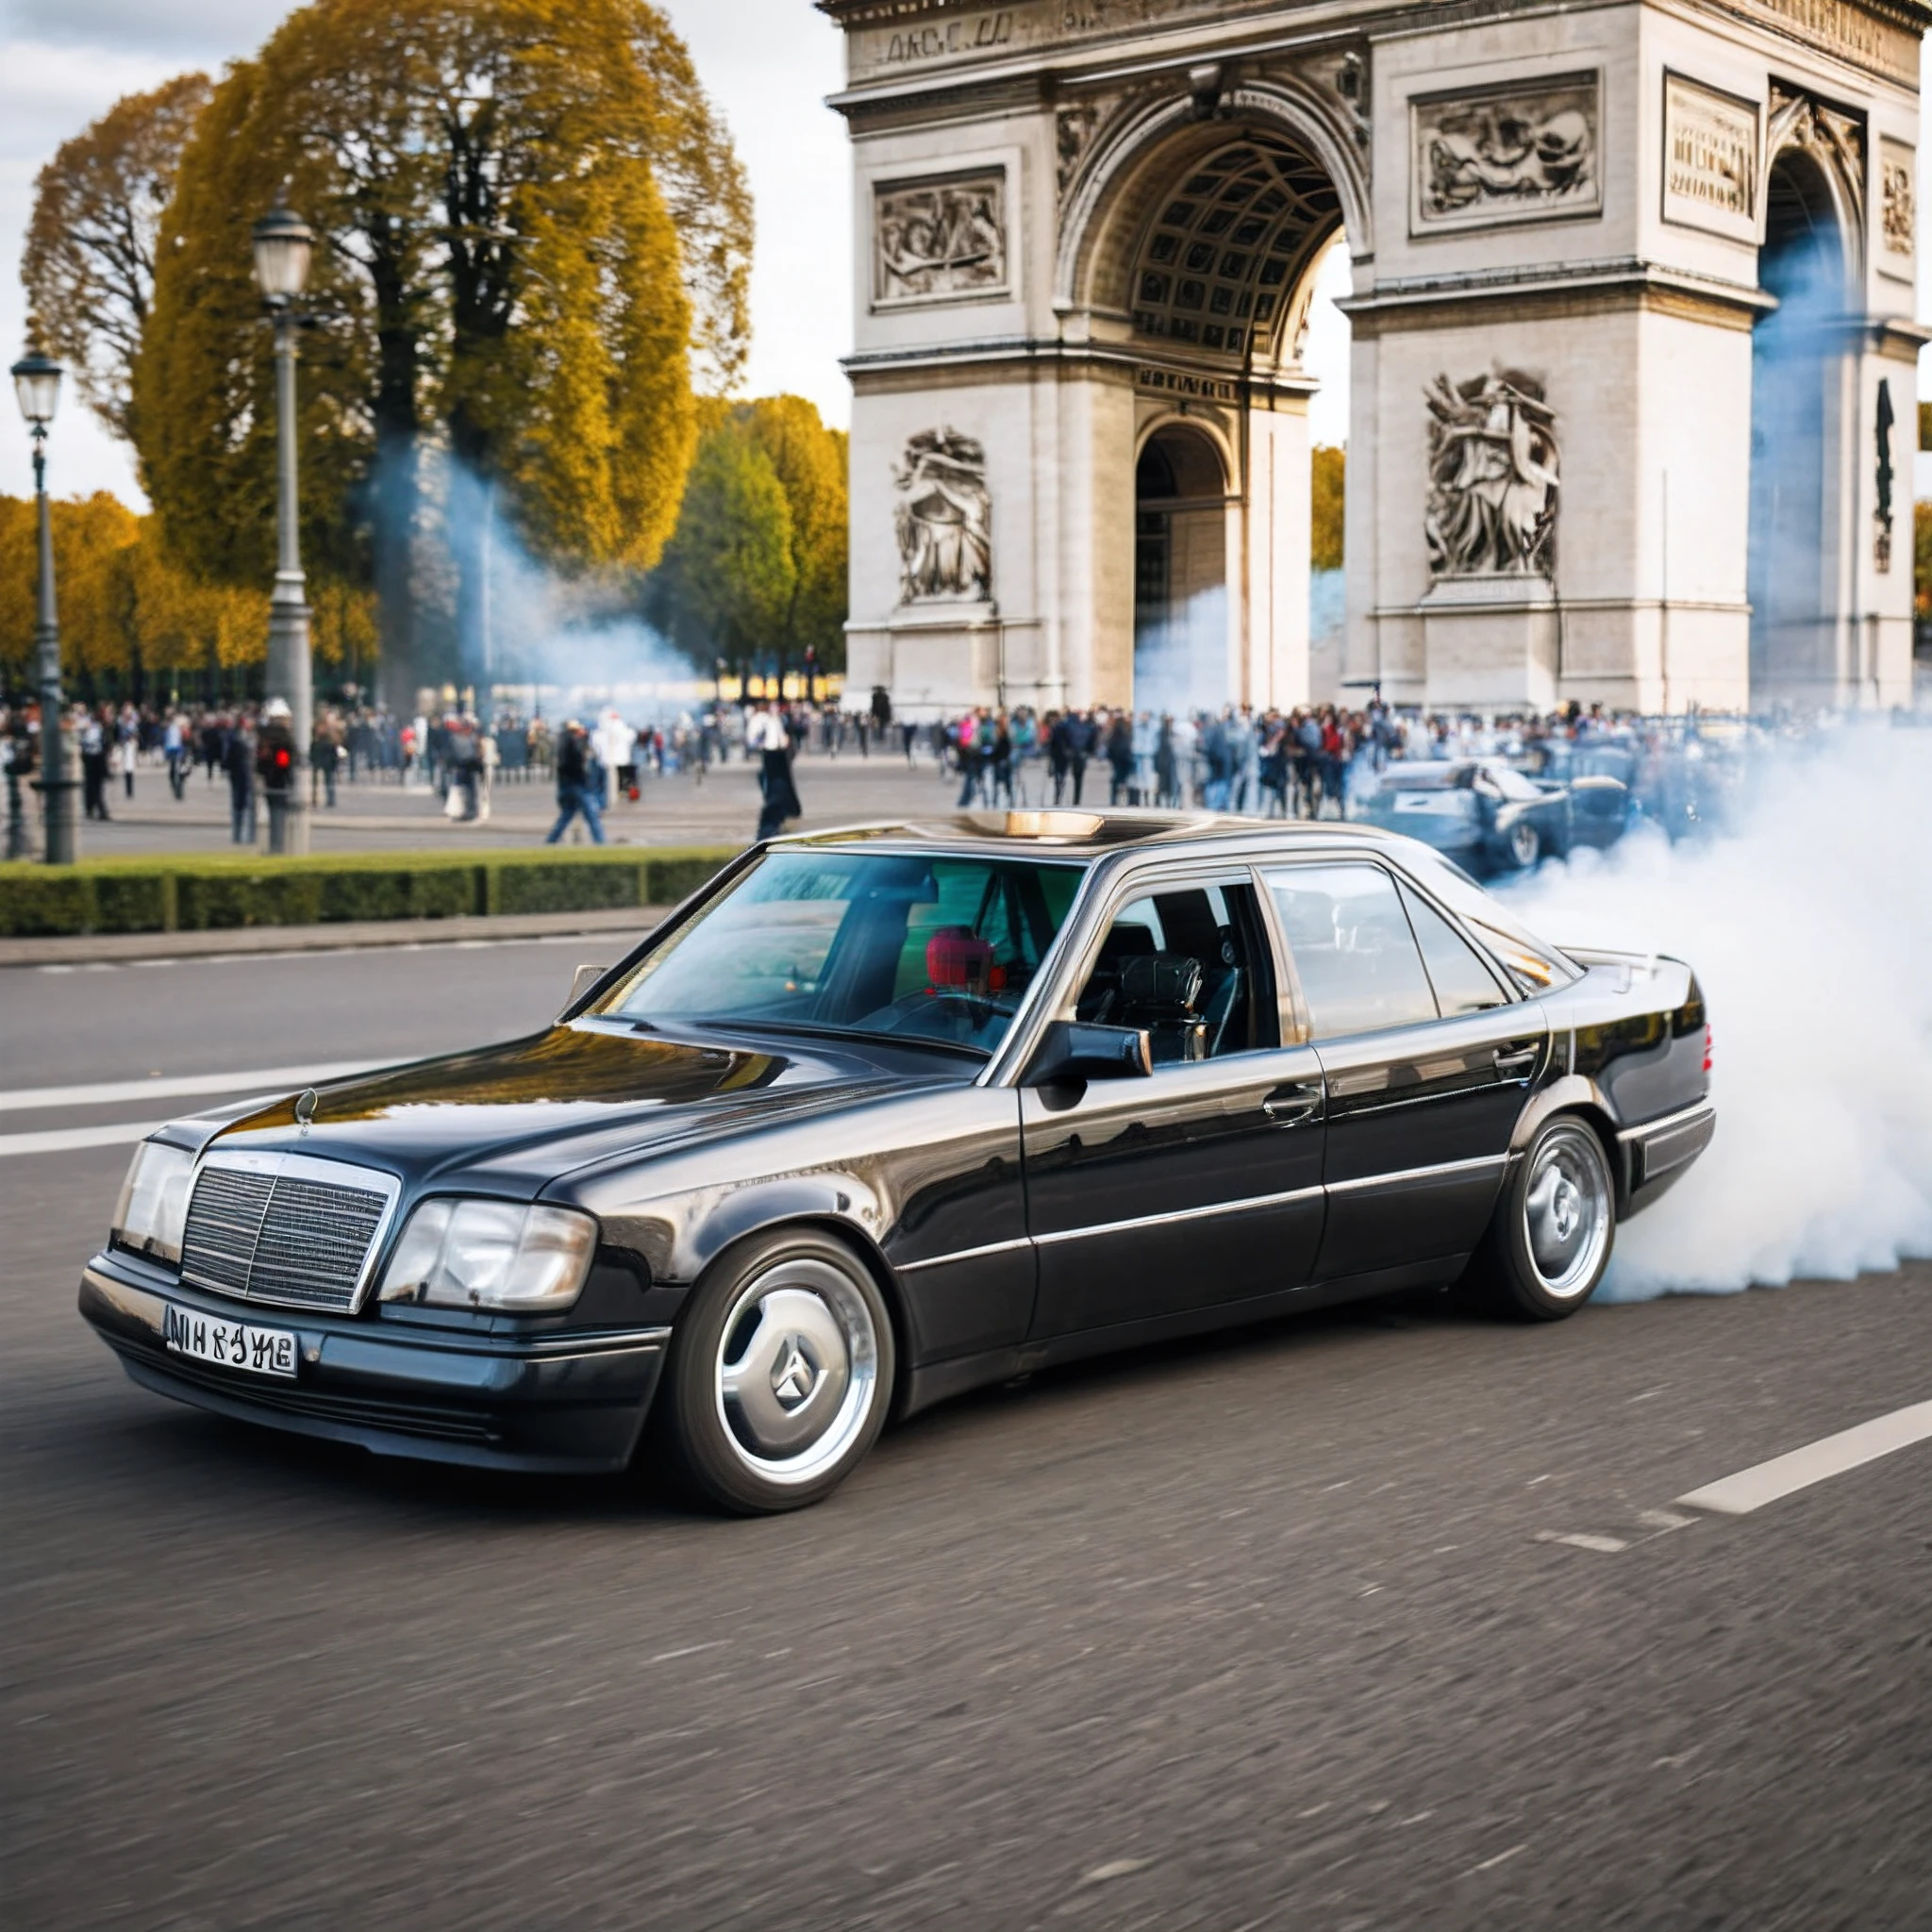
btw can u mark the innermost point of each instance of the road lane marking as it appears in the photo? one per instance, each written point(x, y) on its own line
point(68, 1139)
point(1767, 1482)
point(1603, 1545)
point(1490, 1864)
point(176, 1085)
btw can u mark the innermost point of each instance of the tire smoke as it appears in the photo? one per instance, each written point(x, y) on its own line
point(1808, 921)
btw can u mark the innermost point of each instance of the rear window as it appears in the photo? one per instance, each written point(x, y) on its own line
point(1532, 963)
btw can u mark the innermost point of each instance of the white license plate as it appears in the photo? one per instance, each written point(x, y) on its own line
point(229, 1345)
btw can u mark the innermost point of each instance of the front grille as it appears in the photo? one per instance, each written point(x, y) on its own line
point(263, 1233)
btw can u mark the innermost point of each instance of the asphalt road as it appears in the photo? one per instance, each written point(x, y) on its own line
point(1264, 1631)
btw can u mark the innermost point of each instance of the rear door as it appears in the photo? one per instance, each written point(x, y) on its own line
point(1427, 1059)
point(1200, 1184)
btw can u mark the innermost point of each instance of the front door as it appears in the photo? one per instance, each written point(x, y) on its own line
point(1427, 1061)
point(1200, 1184)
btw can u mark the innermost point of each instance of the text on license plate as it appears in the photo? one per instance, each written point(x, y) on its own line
point(232, 1344)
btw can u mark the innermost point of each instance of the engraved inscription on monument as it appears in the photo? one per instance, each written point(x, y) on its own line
point(1898, 208)
point(1520, 151)
point(1710, 160)
point(942, 240)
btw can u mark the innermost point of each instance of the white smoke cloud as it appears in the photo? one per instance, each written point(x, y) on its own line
point(1809, 925)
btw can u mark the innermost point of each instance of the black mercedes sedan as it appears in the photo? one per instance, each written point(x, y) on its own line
point(885, 1114)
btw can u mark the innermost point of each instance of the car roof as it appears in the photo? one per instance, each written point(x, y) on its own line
point(1086, 836)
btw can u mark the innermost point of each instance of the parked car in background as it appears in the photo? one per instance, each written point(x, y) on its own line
point(1484, 813)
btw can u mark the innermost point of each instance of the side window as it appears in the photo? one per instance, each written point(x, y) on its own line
point(1352, 949)
point(1190, 966)
point(1463, 984)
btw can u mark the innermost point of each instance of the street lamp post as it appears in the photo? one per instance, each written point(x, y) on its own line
point(282, 245)
point(37, 383)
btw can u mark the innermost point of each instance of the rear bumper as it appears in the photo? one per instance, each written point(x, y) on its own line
point(1657, 1154)
point(554, 1403)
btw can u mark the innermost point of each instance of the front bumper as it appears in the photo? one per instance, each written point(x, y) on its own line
point(554, 1403)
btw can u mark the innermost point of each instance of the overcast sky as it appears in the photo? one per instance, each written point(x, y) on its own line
point(767, 64)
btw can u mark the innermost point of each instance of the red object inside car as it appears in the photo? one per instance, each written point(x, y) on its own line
point(957, 959)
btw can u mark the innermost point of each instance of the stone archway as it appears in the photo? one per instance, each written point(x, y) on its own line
point(1181, 544)
point(1192, 244)
point(1563, 229)
point(1809, 263)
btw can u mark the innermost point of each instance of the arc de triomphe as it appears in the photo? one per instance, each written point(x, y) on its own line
point(1632, 368)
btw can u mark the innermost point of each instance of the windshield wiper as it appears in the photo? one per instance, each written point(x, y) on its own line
point(805, 1031)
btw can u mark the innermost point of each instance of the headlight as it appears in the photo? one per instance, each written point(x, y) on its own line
point(491, 1255)
point(154, 1201)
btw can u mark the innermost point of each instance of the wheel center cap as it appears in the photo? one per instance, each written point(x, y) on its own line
point(1565, 1207)
point(793, 1375)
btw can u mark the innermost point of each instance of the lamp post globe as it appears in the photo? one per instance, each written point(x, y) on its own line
point(283, 244)
point(37, 384)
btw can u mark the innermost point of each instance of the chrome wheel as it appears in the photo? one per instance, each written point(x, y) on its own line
point(1526, 843)
point(798, 1369)
point(1567, 1210)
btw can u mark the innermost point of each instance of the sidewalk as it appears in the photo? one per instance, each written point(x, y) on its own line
point(625, 925)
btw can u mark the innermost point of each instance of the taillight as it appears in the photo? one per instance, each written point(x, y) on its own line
point(1706, 1046)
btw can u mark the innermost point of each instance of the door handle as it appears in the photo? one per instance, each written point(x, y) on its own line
point(1518, 1062)
point(1288, 1107)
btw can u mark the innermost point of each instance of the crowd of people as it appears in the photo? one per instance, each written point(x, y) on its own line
point(1310, 761)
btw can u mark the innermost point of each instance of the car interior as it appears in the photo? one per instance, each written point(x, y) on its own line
point(1188, 966)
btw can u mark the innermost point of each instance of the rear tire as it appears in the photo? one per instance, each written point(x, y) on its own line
point(1525, 845)
point(1550, 1239)
point(780, 1374)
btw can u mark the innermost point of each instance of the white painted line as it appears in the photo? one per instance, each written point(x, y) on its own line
point(1752, 1488)
point(178, 1086)
point(1490, 1864)
point(664, 1656)
point(68, 1139)
point(1603, 1545)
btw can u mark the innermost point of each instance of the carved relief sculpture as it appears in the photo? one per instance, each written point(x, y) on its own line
point(945, 519)
point(938, 238)
point(1492, 477)
point(1898, 210)
point(1506, 153)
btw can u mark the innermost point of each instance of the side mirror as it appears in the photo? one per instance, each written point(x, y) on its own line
point(1074, 1051)
point(586, 976)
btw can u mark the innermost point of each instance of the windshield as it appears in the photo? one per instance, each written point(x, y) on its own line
point(910, 945)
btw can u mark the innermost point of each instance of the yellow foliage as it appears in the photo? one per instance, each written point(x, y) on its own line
point(1329, 467)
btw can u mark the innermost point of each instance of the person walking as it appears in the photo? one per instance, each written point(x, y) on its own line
point(174, 748)
point(767, 739)
point(575, 785)
point(323, 754)
point(93, 743)
point(237, 760)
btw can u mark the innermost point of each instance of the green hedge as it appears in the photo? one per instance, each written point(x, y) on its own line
point(192, 894)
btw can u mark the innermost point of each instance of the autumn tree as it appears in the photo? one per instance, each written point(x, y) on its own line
point(1329, 467)
point(510, 273)
point(791, 545)
point(128, 608)
point(728, 579)
point(88, 263)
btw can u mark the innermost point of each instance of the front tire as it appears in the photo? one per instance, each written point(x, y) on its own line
point(1550, 1240)
point(780, 1374)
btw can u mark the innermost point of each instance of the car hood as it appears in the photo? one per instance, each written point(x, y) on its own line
point(507, 1119)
